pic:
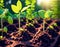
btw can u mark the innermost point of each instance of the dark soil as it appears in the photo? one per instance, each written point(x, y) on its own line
point(31, 36)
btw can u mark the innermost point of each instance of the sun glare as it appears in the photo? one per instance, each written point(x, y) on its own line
point(43, 1)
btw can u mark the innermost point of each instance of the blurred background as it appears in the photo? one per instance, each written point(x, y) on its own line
point(53, 5)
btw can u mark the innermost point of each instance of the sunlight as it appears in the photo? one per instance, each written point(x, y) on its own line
point(39, 2)
point(43, 2)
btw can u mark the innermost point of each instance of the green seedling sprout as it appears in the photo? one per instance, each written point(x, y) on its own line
point(10, 20)
point(2, 16)
point(30, 10)
point(19, 6)
point(55, 24)
point(45, 15)
point(1, 3)
point(51, 26)
point(5, 29)
point(41, 14)
point(56, 8)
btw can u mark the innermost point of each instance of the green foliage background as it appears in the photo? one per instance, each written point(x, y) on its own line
point(55, 7)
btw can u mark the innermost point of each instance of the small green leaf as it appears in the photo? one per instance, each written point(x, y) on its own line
point(35, 14)
point(25, 8)
point(27, 2)
point(30, 17)
point(51, 27)
point(5, 29)
point(16, 8)
point(30, 24)
point(41, 13)
point(1, 1)
point(55, 24)
point(10, 20)
point(48, 14)
point(1, 11)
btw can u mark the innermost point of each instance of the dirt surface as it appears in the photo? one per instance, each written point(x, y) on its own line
point(31, 36)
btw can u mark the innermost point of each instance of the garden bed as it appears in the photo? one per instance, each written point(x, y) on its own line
point(32, 35)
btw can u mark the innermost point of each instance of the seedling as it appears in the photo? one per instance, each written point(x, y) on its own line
point(1, 3)
point(30, 10)
point(10, 20)
point(18, 9)
point(55, 24)
point(51, 26)
point(45, 15)
point(5, 29)
point(2, 16)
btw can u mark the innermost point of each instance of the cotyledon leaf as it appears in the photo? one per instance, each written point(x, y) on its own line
point(41, 13)
point(5, 29)
point(10, 20)
point(16, 8)
point(48, 14)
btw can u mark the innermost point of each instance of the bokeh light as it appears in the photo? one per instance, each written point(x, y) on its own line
point(44, 3)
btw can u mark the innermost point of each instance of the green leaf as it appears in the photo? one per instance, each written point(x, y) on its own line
point(51, 27)
point(16, 8)
point(4, 13)
point(30, 24)
point(55, 24)
point(41, 13)
point(23, 14)
point(1, 11)
point(10, 20)
point(35, 14)
point(25, 8)
point(48, 14)
point(1, 1)
point(5, 29)
point(33, 1)
point(30, 17)
point(27, 2)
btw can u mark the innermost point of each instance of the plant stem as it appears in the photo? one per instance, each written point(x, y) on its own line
point(2, 25)
point(43, 25)
point(19, 22)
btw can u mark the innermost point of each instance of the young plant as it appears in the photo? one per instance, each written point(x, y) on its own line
point(1, 3)
point(30, 10)
point(18, 10)
point(2, 17)
point(45, 15)
point(56, 8)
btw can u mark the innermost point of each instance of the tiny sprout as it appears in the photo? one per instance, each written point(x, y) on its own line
point(55, 24)
point(51, 27)
point(10, 20)
point(31, 24)
point(21, 29)
point(5, 29)
point(1, 11)
point(1, 37)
